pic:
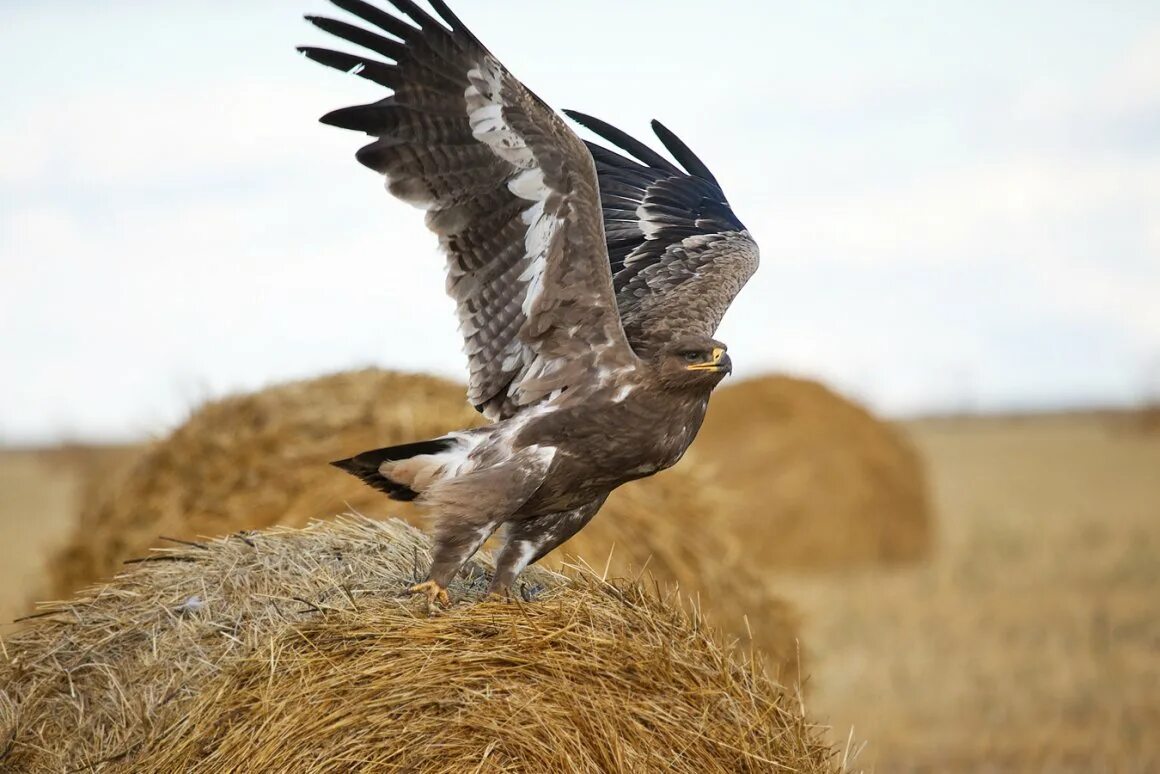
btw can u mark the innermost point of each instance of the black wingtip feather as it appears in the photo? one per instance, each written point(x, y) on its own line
point(405, 7)
point(682, 153)
point(359, 118)
point(392, 49)
point(378, 17)
point(364, 67)
point(622, 140)
point(445, 13)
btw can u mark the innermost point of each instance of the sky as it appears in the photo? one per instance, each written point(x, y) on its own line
point(958, 204)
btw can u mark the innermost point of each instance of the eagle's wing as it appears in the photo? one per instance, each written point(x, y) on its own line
point(678, 253)
point(510, 190)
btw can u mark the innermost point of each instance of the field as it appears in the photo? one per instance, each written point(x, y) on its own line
point(1030, 641)
point(37, 506)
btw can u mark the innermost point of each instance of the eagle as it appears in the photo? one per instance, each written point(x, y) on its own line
point(588, 283)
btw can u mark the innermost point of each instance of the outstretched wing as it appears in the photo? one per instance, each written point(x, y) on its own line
point(678, 253)
point(507, 186)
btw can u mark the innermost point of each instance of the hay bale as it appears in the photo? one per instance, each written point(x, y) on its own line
point(671, 527)
point(286, 650)
point(251, 461)
point(812, 480)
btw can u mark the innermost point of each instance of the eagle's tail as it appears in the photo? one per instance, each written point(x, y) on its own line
point(405, 471)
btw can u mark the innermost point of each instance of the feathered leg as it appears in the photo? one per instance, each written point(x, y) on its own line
point(454, 547)
point(471, 507)
point(530, 540)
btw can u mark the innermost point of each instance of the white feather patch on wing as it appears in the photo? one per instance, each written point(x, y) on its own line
point(540, 372)
point(622, 393)
point(529, 185)
point(606, 376)
point(513, 355)
point(488, 116)
point(647, 225)
point(484, 95)
point(485, 110)
point(544, 455)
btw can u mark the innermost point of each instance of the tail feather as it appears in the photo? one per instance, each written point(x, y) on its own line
point(368, 465)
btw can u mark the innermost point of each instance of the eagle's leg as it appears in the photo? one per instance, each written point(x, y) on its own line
point(530, 540)
point(454, 545)
point(515, 556)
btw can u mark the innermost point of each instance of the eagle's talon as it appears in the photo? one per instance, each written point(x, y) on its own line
point(433, 591)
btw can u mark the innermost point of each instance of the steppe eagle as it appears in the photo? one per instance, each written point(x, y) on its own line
point(588, 286)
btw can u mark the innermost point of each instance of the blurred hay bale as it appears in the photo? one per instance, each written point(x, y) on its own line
point(1148, 419)
point(286, 650)
point(98, 468)
point(671, 527)
point(251, 461)
point(810, 479)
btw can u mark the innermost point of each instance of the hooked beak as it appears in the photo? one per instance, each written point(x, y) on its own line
point(719, 364)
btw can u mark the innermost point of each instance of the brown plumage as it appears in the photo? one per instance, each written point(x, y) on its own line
point(589, 382)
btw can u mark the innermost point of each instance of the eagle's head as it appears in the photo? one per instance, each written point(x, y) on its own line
point(693, 363)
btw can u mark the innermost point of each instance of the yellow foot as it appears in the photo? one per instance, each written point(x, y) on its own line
point(433, 591)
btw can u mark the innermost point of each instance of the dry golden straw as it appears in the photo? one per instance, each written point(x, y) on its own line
point(286, 650)
point(251, 461)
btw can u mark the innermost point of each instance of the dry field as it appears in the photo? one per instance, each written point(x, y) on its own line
point(37, 509)
point(1030, 641)
point(42, 493)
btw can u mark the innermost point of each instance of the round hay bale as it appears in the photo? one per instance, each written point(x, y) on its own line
point(811, 480)
point(287, 650)
point(670, 527)
point(251, 461)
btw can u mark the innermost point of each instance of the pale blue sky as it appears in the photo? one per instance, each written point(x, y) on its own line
point(958, 204)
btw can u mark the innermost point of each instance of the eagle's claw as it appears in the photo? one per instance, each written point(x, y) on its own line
point(433, 591)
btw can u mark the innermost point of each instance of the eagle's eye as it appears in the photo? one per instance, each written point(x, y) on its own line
point(692, 356)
